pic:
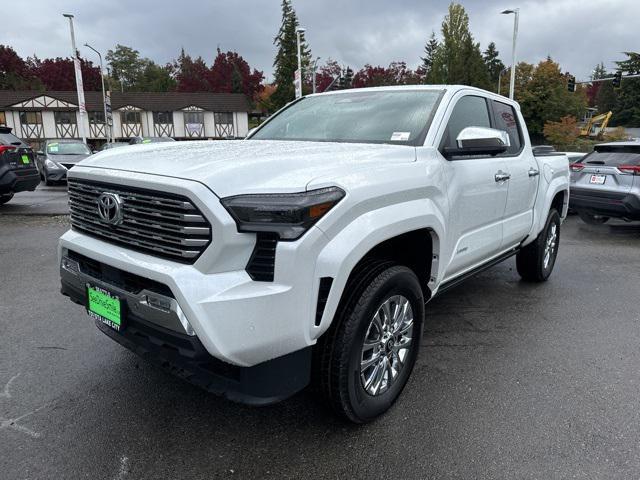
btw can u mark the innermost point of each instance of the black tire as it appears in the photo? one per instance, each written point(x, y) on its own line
point(48, 182)
point(339, 352)
point(530, 261)
point(590, 219)
point(5, 198)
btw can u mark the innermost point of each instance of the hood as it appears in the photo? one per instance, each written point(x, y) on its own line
point(233, 167)
point(67, 159)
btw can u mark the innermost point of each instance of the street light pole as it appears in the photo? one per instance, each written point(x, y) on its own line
point(315, 66)
point(76, 63)
point(299, 32)
point(500, 79)
point(512, 83)
point(104, 97)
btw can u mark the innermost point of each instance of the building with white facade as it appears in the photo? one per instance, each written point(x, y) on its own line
point(36, 116)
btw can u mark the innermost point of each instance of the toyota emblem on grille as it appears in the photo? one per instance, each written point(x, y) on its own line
point(110, 208)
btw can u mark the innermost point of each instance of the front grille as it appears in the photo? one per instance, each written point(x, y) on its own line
point(162, 224)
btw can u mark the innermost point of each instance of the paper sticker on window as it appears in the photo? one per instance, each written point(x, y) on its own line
point(53, 148)
point(400, 136)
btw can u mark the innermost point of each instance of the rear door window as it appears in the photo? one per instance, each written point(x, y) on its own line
point(506, 119)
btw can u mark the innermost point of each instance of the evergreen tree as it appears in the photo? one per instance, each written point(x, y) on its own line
point(286, 61)
point(430, 50)
point(458, 60)
point(627, 110)
point(493, 63)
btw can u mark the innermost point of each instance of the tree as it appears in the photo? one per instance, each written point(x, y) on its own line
point(545, 97)
point(191, 75)
point(430, 50)
point(458, 59)
point(286, 60)
point(627, 109)
point(493, 63)
point(326, 74)
point(126, 66)
point(592, 90)
point(396, 73)
point(155, 78)
point(230, 73)
point(59, 74)
point(15, 72)
point(563, 134)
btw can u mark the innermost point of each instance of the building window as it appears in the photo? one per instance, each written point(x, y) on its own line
point(224, 124)
point(31, 124)
point(66, 126)
point(163, 124)
point(97, 126)
point(194, 124)
point(131, 123)
point(3, 118)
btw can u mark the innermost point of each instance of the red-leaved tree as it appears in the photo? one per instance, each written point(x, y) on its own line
point(59, 73)
point(230, 73)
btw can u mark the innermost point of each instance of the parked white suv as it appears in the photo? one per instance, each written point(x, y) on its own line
point(307, 251)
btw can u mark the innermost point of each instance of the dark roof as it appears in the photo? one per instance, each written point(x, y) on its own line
point(149, 101)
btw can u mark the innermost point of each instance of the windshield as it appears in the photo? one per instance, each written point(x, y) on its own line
point(59, 148)
point(390, 116)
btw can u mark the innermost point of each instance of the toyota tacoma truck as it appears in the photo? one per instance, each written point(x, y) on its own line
point(305, 253)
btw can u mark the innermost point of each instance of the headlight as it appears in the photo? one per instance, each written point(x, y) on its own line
point(289, 215)
point(50, 164)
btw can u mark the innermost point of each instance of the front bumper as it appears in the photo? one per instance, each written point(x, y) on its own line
point(609, 204)
point(55, 174)
point(18, 180)
point(155, 330)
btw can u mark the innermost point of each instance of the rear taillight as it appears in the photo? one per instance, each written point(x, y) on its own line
point(576, 167)
point(6, 148)
point(630, 169)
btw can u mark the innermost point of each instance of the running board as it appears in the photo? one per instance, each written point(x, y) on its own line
point(454, 282)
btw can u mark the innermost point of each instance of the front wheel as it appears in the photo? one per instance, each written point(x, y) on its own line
point(5, 198)
point(368, 355)
point(592, 219)
point(535, 262)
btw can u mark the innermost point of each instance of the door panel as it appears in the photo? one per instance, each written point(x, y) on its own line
point(477, 204)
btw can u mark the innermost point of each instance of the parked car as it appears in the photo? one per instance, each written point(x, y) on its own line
point(606, 183)
point(58, 157)
point(145, 140)
point(110, 145)
point(18, 172)
point(309, 249)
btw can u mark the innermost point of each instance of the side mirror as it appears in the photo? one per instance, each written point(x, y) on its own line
point(479, 141)
point(94, 151)
point(40, 153)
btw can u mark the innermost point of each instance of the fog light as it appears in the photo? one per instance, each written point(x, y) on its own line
point(70, 265)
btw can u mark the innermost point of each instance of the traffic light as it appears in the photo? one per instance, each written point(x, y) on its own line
point(571, 83)
point(617, 79)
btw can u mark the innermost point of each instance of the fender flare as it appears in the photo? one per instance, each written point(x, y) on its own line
point(343, 252)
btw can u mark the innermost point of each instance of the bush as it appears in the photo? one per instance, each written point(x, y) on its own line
point(562, 134)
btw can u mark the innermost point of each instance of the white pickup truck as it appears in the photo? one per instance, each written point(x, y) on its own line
point(306, 252)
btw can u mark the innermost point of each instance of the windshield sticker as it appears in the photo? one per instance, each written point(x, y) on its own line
point(146, 140)
point(400, 136)
point(53, 147)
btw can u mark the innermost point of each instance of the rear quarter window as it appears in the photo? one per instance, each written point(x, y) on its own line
point(506, 119)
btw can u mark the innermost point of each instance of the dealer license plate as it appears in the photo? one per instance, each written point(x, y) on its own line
point(598, 179)
point(105, 307)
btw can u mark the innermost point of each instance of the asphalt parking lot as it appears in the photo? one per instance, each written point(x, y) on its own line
point(513, 381)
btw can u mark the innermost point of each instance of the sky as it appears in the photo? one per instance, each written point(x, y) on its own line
point(576, 33)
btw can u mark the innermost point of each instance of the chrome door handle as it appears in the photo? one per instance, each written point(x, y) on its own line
point(533, 172)
point(502, 177)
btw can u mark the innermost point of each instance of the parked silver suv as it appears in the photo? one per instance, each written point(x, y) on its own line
point(606, 183)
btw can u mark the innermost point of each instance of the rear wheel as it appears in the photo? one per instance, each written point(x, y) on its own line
point(592, 219)
point(5, 198)
point(367, 356)
point(535, 262)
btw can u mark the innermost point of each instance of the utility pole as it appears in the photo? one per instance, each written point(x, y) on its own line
point(298, 79)
point(76, 63)
point(512, 83)
point(104, 97)
point(315, 66)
